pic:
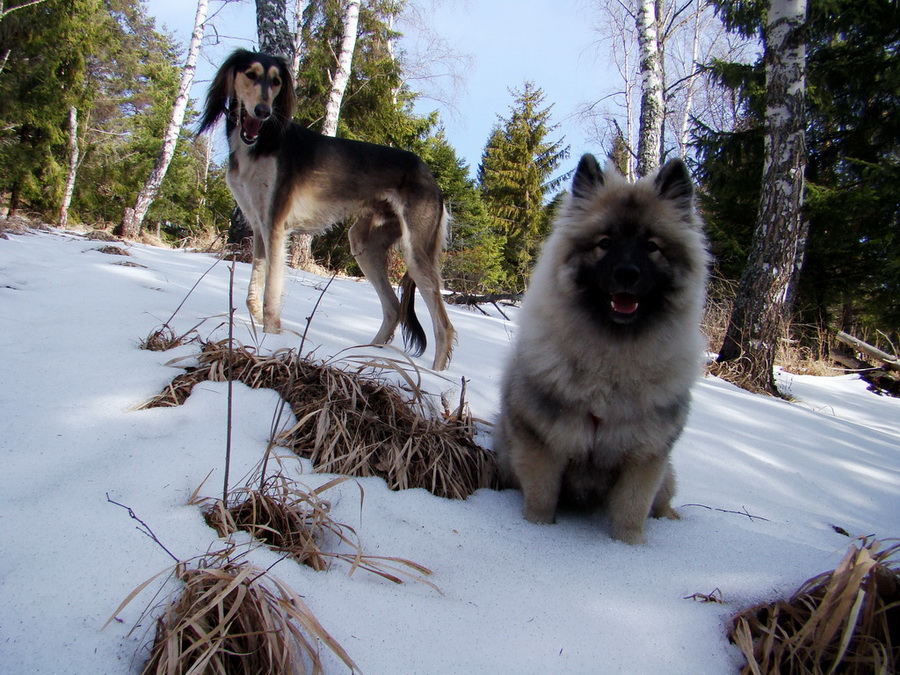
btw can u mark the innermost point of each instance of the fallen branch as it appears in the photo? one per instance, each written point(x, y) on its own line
point(892, 362)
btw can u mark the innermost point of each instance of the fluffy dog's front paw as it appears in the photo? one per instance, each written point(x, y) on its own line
point(539, 514)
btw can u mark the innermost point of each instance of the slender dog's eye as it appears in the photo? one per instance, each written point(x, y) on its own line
point(250, 74)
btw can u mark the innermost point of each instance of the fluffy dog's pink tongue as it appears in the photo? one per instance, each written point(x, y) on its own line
point(624, 303)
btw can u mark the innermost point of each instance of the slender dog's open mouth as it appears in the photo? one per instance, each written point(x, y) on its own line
point(250, 127)
point(624, 306)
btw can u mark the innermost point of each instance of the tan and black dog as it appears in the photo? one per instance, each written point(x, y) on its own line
point(285, 177)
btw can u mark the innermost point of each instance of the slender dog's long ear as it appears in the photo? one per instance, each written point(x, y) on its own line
point(220, 91)
point(674, 182)
point(588, 177)
point(286, 101)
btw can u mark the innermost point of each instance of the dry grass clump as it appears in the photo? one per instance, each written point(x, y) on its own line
point(296, 521)
point(237, 618)
point(112, 250)
point(164, 338)
point(102, 235)
point(18, 224)
point(355, 422)
point(845, 621)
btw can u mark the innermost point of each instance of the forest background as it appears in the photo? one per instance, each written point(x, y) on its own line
point(108, 62)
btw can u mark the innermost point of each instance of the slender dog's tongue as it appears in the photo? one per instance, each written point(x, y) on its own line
point(251, 126)
point(624, 303)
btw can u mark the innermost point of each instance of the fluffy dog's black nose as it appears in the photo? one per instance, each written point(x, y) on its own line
point(262, 111)
point(626, 275)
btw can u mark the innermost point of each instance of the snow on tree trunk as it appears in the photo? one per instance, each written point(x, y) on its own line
point(272, 29)
point(342, 71)
point(652, 106)
point(63, 219)
point(766, 290)
point(134, 217)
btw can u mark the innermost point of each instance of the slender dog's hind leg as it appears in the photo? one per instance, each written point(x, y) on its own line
point(422, 249)
point(370, 242)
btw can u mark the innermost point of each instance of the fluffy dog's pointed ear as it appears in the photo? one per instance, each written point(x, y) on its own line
point(588, 177)
point(674, 182)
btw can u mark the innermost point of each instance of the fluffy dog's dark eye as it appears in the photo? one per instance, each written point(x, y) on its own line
point(651, 246)
point(604, 244)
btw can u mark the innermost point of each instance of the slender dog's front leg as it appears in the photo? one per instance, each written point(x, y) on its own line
point(257, 277)
point(275, 255)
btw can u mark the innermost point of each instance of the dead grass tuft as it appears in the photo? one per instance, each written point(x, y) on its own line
point(356, 422)
point(164, 338)
point(112, 250)
point(102, 235)
point(845, 621)
point(237, 618)
point(293, 520)
point(18, 224)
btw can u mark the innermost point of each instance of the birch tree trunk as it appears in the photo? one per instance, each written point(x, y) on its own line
point(63, 219)
point(300, 254)
point(272, 29)
point(650, 128)
point(689, 96)
point(766, 290)
point(134, 217)
point(342, 70)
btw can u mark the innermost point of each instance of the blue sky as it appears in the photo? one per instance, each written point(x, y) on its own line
point(509, 41)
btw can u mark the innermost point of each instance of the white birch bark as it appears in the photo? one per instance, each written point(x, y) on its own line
point(272, 29)
point(298, 38)
point(691, 82)
point(767, 287)
point(652, 105)
point(342, 70)
point(133, 218)
point(63, 219)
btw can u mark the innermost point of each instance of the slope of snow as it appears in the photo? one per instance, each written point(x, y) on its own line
point(762, 484)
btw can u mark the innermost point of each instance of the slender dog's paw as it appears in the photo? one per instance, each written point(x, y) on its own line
point(274, 328)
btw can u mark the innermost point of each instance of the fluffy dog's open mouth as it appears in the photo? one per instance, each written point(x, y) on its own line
point(625, 305)
point(250, 127)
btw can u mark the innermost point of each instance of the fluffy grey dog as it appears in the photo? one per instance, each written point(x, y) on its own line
point(599, 384)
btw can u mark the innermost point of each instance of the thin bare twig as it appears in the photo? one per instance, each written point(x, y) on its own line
point(144, 528)
point(739, 513)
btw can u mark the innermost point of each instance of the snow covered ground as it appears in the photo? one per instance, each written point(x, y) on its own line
point(515, 597)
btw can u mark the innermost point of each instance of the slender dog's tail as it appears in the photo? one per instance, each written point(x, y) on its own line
point(414, 339)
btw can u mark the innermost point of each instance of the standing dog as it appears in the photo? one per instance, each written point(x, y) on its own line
point(599, 384)
point(284, 177)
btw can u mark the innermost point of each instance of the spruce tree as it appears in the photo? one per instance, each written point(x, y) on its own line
point(516, 176)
